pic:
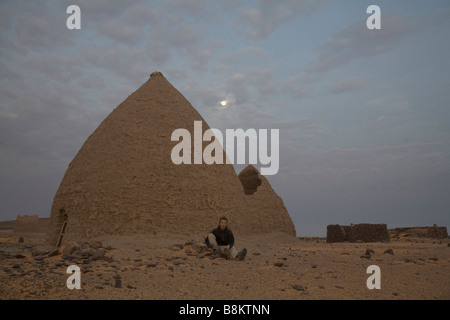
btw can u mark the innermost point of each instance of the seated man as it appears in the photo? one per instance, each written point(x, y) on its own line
point(221, 239)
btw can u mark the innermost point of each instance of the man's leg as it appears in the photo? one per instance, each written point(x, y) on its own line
point(233, 253)
point(222, 250)
point(241, 255)
point(213, 243)
point(212, 240)
point(230, 253)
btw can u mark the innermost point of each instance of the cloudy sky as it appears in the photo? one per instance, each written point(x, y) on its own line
point(364, 115)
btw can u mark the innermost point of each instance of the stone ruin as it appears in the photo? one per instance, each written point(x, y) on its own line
point(364, 232)
point(123, 180)
point(433, 232)
point(26, 224)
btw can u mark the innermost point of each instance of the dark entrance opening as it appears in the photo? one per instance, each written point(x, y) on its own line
point(250, 179)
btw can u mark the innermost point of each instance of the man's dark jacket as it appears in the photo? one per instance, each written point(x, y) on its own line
point(223, 237)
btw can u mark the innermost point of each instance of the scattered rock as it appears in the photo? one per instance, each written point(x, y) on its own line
point(19, 256)
point(177, 247)
point(339, 287)
point(434, 259)
point(395, 294)
point(95, 244)
point(36, 272)
point(389, 251)
point(278, 264)
point(37, 252)
point(130, 286)
point(39, 258)
point(298, 287)
point(365, 257)
point(71, 247)
point(21, 240)
point(67, 257)
point(99, 255)
point(118, 281)
point(314, 266)
point(369, 252)
point(54, 252)
point(83, 244)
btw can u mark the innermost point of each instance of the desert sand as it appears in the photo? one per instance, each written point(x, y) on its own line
point(278, 266)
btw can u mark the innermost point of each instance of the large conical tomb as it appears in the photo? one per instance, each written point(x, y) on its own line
point(123, 179)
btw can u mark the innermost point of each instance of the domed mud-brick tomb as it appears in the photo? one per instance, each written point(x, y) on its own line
point(123, 180)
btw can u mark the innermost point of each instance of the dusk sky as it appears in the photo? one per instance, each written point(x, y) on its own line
point(364, 115)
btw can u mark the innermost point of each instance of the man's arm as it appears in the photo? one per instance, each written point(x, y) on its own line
point(231, 239)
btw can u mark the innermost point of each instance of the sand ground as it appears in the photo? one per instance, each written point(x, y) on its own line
point(277, 266)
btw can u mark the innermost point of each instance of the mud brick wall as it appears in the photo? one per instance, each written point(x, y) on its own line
point(358, 232)
point(434, 232)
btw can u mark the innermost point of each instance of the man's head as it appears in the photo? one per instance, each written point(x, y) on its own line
point(223, 221)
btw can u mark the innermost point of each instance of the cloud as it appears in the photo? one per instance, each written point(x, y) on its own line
point(393, 103)
point(54, 67)
point(347, 85)
point(338, 179)
point(7, 73)
point(268, 15)
point(356, 41)
point(118, 31)
point(298, 87)
point(37, 28)
point(247, 54)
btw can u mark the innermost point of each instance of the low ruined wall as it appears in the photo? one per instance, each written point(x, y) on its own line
point(434, 232)
point(26, 224)
point(358, 232)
